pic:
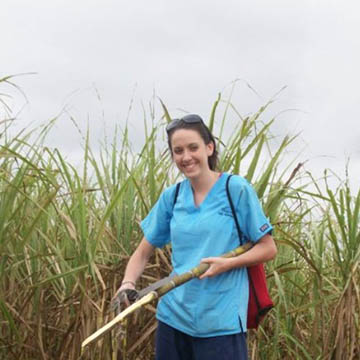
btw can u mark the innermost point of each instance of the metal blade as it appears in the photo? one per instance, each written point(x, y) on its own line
point(156, 285)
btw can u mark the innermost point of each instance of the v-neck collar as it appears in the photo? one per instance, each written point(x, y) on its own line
point(208, 195)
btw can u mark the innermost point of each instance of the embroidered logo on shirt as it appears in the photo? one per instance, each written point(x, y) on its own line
point(264, 227)
point(225, 211)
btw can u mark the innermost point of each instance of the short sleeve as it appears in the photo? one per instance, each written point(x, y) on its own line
point(253, 222)
point(156, 225)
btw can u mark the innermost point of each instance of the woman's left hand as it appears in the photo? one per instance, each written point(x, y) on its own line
point(264, 250)
point(218, 265)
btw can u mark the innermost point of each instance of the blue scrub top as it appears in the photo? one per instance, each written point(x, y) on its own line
point(212, 306)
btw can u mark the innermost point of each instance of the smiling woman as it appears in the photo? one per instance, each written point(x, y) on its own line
point(204, 316)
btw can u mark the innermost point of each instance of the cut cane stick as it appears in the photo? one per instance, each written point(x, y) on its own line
point(158, 292)
point(120, 317)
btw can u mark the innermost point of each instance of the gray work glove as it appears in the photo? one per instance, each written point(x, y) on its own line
point(123, 298)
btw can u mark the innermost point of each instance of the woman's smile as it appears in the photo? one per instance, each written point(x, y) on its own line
point(189, 166)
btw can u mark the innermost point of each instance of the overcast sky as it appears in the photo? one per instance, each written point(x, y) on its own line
point(92, 57)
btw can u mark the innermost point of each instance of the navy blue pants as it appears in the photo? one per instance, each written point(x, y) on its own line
point(172, 344)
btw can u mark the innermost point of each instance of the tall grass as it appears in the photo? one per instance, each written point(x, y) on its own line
point(66, 234)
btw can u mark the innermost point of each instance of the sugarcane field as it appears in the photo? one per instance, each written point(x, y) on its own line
point(67, 231)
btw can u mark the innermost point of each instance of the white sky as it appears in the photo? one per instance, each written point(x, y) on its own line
point(187, 52)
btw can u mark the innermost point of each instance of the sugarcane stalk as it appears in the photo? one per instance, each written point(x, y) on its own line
point(119, 318)
point(173, 283)
point(197, 271)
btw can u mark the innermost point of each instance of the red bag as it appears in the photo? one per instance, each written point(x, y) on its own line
point(259, 298)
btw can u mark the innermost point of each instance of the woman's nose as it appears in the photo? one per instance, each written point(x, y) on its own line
point(186, 155)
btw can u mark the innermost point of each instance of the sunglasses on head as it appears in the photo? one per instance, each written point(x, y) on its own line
point(188, 119)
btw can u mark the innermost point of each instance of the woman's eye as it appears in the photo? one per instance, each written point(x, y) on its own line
point(177, 151)
point(193, 148)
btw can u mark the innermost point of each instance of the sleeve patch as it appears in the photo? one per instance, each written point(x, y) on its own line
point(264, 227)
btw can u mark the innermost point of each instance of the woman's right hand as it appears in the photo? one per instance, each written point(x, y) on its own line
point(124, 296)
point(127, 293)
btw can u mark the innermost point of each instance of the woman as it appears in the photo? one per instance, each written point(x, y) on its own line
point(206, 317)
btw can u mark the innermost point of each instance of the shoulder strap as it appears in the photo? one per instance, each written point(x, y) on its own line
point(233, 210)
point(176, 192)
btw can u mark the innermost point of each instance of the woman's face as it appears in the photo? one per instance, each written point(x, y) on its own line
point(190, 152)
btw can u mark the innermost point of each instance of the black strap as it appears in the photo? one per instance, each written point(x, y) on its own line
point(233, 210)
point(176, 192)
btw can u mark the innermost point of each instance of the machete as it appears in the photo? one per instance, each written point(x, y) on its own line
point(155, 286)
point(158, 289)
